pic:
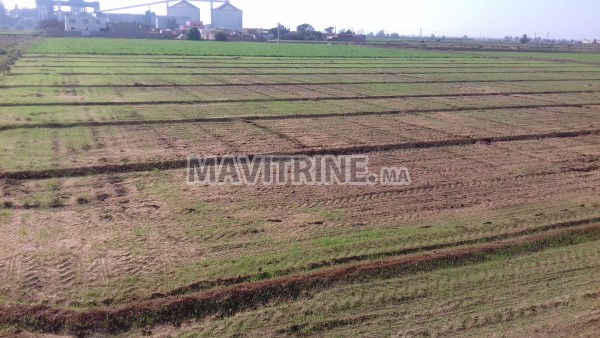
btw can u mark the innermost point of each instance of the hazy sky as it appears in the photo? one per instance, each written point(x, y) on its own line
point(560, 18)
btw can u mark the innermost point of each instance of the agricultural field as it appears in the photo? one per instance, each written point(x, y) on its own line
point(11, 47)
point(498, 233)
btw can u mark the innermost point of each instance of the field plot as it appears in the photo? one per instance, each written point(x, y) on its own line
point(498, 233)
point(11, 46)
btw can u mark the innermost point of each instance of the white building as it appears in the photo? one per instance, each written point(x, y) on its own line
point(86, 23)
point(227, 17)
point(184, 11)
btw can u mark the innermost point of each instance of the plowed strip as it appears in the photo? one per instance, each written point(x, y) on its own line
point(309, 73)
point(149, 62)
point(182, 163)
point(254, 84)
point(231, 300)
point(290, 99)
point(208, 284)
point(312, 66)
point(283, 117)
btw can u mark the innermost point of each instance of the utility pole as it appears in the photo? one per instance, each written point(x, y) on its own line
point(278, 25)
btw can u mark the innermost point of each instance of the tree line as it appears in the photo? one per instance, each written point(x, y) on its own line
point(304, 31)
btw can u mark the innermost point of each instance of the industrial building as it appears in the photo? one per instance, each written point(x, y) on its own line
point(184, 11)
point(59, 8)
point(3, 11)
point(17, 18)
point(79, 15)
point(227, 17)
point(83, 16)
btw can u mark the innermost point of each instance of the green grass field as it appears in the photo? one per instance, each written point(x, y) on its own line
point(208, 48)
point(578, 57)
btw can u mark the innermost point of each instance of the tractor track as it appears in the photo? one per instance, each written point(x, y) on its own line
point(422, 189)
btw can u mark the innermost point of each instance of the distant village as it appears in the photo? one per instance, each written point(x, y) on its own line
point(80, 17)
point(86, 18)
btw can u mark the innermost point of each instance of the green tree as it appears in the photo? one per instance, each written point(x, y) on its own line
point(280, 29)
point(316, 35)
point(329, 30)
point(193, 34)
point(306, 32)
point(305, 29)
point(221, 36)
point(294, 36)
point(525, 39)
point(171, 24)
